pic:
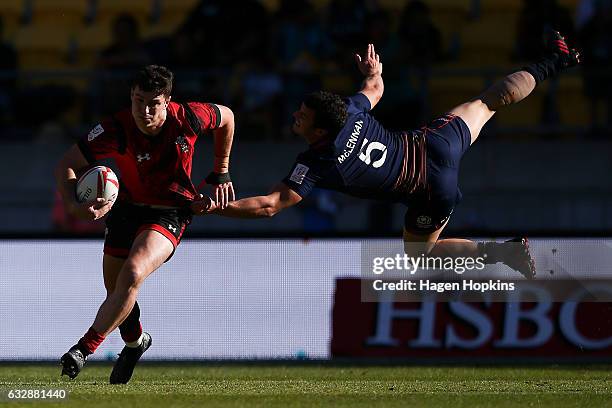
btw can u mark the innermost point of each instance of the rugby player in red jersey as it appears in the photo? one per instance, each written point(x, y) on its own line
point(152, 145)
point(351, 152)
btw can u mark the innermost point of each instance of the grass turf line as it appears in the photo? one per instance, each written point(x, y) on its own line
point(167, 385)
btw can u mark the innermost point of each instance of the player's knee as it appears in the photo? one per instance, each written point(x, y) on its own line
point(417, 249)
point(110, 286)
point(496, 98)
point(109, 290)
point(132, 276)
point(510, 90)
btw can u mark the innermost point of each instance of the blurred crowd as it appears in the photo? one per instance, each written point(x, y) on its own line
point(260, 62)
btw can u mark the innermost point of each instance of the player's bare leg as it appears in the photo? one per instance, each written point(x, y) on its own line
point(511, 89)
point(149, 251)
point(111, 267)
point(130, 328)
point(476, 113)
point(136, 341)
point(73, 361)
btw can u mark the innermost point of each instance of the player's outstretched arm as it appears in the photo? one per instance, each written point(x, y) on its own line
point(223, 189)
point(66, 179)
point(369, 64)
point(278, 199)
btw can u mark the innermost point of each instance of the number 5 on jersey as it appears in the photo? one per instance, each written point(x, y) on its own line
point(366, 156)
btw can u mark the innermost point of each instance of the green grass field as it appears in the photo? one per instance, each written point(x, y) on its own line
point(166, 385)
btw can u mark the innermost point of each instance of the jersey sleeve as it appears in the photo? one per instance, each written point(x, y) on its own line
point(100, 143)
point(206, 115)
point(304, 175)
point(358, 103)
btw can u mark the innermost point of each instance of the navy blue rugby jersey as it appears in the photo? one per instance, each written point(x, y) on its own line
point(365, 160)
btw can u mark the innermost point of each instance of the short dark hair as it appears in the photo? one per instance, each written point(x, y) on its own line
point(330, 110)
point(154, 78)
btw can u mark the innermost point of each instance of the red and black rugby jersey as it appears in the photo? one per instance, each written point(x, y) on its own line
point(154, 170)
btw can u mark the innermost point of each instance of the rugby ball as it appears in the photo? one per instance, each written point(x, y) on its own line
point(97, 182)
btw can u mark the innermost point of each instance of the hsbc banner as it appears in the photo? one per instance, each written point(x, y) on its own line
point(292, 299)
point(575, 329)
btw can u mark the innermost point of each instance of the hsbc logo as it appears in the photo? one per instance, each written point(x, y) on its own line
point(484, 326)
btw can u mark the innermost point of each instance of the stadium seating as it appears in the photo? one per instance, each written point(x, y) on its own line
point(271, 5)
point(167, 16)
point(91, 40)
point(448, 91)
point(57, 34)
point(42, 46)
point(576, 112)
point(71, 33)
point(491, 7)
point(107, 10)
point(488, 42)
point(172, 10)
point(12, 13)
point(64, 13)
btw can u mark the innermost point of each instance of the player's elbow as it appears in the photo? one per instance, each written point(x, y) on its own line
point(271, 207)
point(377, 97)
point(73, 160)
point(227, 116)
point(269, 212)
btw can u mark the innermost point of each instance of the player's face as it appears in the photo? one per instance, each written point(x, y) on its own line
point(303, 124)
point(149, 110)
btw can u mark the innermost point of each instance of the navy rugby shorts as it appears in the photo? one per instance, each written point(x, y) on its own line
point(447, 138)
point(125, 221)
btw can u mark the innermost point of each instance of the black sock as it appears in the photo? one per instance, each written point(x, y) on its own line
point(83, 349)
point(131, 324)
point(547, 68)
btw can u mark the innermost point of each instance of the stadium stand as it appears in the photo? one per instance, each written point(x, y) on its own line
point(12, 13)
point(64, 13)
point(42, 46)
point(479, 44)
point(107, 10)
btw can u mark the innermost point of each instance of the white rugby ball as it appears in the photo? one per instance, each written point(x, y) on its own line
point(97, 182)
